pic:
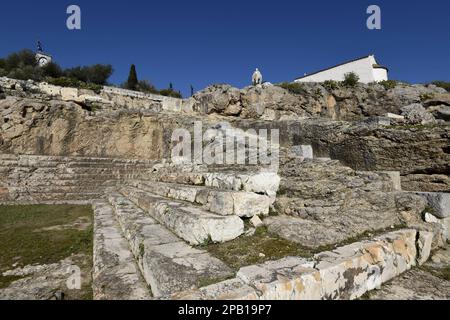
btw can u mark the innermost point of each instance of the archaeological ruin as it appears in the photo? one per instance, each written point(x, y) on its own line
point(356, 206)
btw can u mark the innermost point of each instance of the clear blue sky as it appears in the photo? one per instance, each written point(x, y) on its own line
point(205, 42)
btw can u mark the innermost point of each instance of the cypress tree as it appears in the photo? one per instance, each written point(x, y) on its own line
point(132, 81)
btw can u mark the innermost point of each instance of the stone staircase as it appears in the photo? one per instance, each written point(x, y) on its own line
point(167, 263)
point(166, 219)
point(30, 178)
point(204, 204)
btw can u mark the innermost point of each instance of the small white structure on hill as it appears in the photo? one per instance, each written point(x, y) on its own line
point(367, 68)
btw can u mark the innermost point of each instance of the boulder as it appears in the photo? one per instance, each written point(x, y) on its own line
point(416, 114)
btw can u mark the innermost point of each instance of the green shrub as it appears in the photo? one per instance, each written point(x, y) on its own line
point(25, 73)
point(97, 74)
point(170, 93)
point(147, 87)
point(351, 79)
point(20, 59)
point(292, 87)
point(388, 84)
point(22, 65)
point(74, 83)
point(330, 85)
point(318, 93)
point(441, 84)
point(52, 70)
point(426, 96)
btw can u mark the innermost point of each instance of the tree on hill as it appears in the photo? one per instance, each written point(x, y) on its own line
point(132, 82)
point(97, 74)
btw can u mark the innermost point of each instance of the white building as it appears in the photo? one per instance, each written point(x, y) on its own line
point(43, 59)
point(366, 68)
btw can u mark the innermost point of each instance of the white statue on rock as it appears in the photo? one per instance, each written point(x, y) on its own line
point(257, 77)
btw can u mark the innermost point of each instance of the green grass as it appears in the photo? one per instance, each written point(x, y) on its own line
point(42, 234)
point(246, 250)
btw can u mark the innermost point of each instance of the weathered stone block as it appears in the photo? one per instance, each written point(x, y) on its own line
point(191, 223)
point(439, 202)
point(116, 275)
point(303, 151)
point(394, 176)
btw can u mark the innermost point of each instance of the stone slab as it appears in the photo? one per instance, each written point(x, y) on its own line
point(116, 275)
point(191, 223)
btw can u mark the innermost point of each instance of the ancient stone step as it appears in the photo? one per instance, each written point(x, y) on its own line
point(222, 202)
point(115, 275)
point(345, 273)
point(167, 263)
point(189, 222)
point(24, 159)
point(64, 183)
point(44, 196)
point(80, 188)
point(259, 182)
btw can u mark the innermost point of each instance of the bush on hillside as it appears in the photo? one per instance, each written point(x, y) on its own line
point(330, 85)
point(96, 74)
point(147, 87)
point(388, 84)
point(292, 87)
point(170, 93)
point(351, 79)
point(441, 84)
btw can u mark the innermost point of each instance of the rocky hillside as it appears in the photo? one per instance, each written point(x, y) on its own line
point(37, 119)
point(271, 102)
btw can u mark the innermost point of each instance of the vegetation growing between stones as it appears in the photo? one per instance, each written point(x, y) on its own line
point(204, 282)
point(426, 96)
point(388, 84)
point(294, 87)
point(45, 234)
point(330, 85)
point(264, 246)
point(260, 247)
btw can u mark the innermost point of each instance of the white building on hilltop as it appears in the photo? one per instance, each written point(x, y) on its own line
point(366, 68)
